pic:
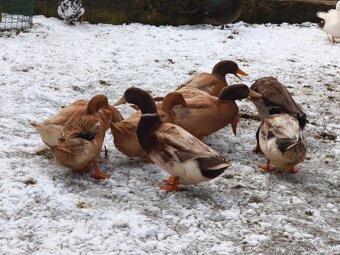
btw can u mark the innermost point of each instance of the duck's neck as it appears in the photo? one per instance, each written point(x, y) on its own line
point(148, 124)
point(220, 70)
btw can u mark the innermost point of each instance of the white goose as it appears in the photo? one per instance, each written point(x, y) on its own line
point(332, 22)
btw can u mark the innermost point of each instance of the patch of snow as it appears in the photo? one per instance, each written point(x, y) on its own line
point(48, 209)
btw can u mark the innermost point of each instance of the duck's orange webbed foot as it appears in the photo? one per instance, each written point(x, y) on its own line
point(100, 175)
point(97, 173)
point(84, 170)
point(267, 167)
point(171, 184)
point(293, 170)
point(148, 160)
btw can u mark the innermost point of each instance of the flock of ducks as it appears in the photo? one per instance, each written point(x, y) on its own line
point(168, 130)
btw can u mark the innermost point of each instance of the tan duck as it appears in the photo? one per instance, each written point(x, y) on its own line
point(183, 156)
point(282, 142)
point(203, 115)
point(83, 130)
point(215, 81)
point(50, 129)
point(124, 132)
point(275, 99)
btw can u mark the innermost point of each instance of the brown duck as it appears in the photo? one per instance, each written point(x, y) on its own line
point(215, 81)
point(183, 156)
point(203, 115)
point(79, 142)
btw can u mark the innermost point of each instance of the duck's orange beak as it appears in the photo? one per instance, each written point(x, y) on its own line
point(240, 72)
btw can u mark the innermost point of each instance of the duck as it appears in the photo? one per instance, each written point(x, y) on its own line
point(275, 99)
point(205, 114)
point(76, 133)
point(170, 147)
point(220, 12)
point(124, 132)
point(51, 128)
point(214, 82)
point(281, 140)
point(71, 10)
point(331, 24)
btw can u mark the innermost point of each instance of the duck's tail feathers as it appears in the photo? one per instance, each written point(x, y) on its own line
point(285, 144)
point(213, 170)
point(48, 133)
point(299, 143)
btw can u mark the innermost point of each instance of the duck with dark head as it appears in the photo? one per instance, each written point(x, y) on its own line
point(203, 115)
point(215, 81)
point(183, 156)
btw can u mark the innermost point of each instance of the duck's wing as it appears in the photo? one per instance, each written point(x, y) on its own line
point(195, 106)
point(176, 142)
point(49, 133)
point(202, 81)
point(61, 117)
point(88, 126)
point(189, 92)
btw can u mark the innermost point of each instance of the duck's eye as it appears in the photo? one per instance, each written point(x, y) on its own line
point(61, 139)
point(88, 135)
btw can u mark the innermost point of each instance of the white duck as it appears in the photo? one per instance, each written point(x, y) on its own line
point(71, 10)
point(332, 22)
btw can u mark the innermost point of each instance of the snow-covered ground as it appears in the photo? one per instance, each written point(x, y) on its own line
point(48, 209)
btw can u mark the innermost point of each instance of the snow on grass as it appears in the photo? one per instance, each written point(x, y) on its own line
point(48, 209)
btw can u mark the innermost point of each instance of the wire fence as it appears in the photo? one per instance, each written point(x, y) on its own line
point(16, 14)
